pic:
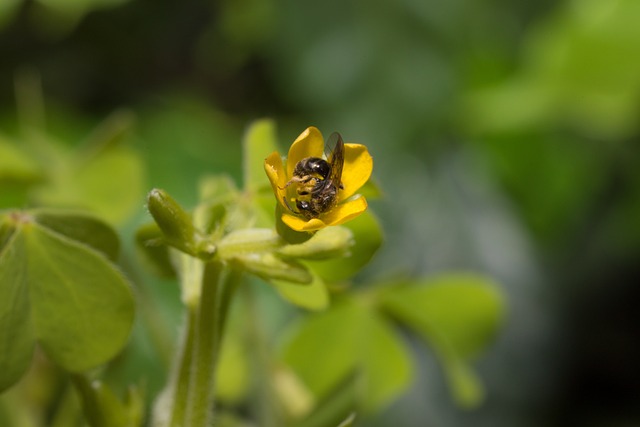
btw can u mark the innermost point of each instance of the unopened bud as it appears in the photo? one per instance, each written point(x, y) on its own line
point(175, 223)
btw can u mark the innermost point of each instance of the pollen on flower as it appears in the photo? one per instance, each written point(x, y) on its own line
point(316, 191)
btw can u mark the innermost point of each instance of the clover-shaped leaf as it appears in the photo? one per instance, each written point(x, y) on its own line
point(350, 337)
point(58, 292)
point(313, 296)
point(458, 315)
point(321, 352)
point(92, 184)
point(82, 228)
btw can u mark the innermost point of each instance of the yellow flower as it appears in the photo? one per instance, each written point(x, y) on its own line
point(356, 171)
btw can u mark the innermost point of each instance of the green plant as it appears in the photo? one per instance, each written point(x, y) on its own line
point(61, 292)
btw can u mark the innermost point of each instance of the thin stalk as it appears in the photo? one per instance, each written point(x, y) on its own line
point(192, 390)
point(230, 285)
point(202, 379)
point(266, 405)
point(180, 388)
point(100, 406)
point(66, 412)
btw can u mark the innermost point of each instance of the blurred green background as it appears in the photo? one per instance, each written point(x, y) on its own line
point(504, 134)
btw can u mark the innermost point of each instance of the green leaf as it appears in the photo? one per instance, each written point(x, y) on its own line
point(462, 310)
point(17, 335)
point(330, 242)
point(216, 189)
point(110, 132)
point(464, 383)
point(83, 228)
point(313, 296)
point(15, 165)
point(322, 351)
point(367, 236)
point(458, 314)
point(269, 267)
point(371, 189)
point(62, 294)
point(216, 195)
point(248, 241)
point(288, 234)
point(337, 409)
point(82, 307)
point(110, 184)
point(386, 365)
point(350, 338)
point(259, 142)
point(579, 69)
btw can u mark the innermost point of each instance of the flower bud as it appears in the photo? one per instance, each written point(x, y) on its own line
point(175, 223)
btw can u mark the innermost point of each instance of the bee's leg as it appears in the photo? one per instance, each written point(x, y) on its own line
point(286, 185)
point(286, 202)
point(297, 180)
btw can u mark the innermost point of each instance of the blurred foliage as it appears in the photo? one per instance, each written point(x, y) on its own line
point(505, 140)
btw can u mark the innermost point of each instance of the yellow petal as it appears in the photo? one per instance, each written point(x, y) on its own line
point(308, 144)
point(275, 172)
point(358, 165)
point(346, 211)
point(300, 224)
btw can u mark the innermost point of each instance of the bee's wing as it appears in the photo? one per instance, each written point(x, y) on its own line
point(336, 158)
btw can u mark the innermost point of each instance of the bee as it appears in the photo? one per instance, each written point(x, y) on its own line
point(318, 181)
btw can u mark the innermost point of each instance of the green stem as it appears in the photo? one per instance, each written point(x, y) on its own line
point(202, 379)
point(89, 399)
point(266, 406)
point(66, 412)
point(230, 285)
point(208, 302)
point(100, 406)
point(180, 389)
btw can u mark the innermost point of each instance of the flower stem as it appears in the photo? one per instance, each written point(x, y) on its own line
point(265, 404)
point(180, 388)
point(230, 284)
point(205, 349)
point(208, 289)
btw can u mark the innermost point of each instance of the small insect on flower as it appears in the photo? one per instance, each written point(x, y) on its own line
point(318, 181)
point(314, 190)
